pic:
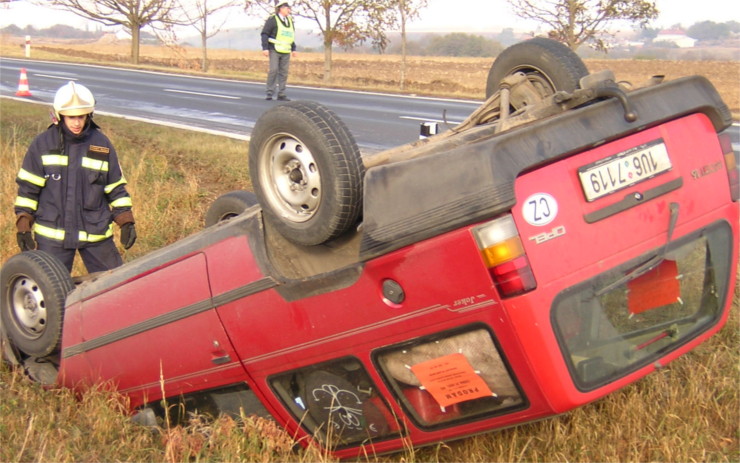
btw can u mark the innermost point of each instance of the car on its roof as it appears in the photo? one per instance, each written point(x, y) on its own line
point(567, 239)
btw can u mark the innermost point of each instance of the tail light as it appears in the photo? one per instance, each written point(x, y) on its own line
point(731, 163)
point(504, 256)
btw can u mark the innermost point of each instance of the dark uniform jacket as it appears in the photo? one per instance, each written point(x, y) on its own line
point(73, 190)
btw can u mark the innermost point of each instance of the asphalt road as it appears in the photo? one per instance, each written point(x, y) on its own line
point(377, 121)
point(229, 107)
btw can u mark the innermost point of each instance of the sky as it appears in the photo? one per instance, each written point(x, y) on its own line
point(440, 15)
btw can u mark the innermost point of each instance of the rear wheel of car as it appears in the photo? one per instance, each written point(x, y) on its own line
point(549, 65)
point(34, 285)
point(229, 205)
point(307, 172)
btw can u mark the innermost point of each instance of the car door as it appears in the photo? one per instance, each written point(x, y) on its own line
point(159, 331)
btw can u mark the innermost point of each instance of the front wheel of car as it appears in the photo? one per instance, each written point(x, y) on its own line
point(307, 172)
point(34, 285)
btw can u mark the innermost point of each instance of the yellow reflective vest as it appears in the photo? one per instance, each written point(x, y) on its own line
point(285, 36)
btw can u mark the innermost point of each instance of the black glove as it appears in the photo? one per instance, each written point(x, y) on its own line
point(128, 235)
point(26, 241)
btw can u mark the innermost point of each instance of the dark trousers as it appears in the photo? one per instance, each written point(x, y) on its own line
point(97, 257)
point(277, 75)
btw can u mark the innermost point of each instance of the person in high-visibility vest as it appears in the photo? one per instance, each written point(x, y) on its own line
point(71, 189)
point(278, 43)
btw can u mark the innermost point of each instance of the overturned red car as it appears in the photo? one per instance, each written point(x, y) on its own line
point(566, 240)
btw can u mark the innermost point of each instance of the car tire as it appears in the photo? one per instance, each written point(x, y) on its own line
point(34, 286)
point(9, 354)
point(548, 64)
point(229, 205)
point(307, 172)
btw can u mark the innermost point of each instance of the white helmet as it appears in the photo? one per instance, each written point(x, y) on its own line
point(73, 100)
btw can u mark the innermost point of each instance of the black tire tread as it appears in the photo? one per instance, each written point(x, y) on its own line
point(346, 185)
point(571, 67)
point(44, 269)
point(232, 203)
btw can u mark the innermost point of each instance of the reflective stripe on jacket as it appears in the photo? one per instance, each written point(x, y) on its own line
point(73, 193)
point(280, 35)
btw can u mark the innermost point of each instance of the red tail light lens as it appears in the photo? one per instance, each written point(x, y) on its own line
point(731, 163)
point(513, 277)
point(504, 256)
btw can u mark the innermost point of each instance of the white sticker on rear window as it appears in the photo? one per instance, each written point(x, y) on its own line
point(540, 209)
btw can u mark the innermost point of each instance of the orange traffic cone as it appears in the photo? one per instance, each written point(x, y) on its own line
point(23, 89)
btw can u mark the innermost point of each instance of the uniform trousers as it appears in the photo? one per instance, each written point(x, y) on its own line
point(277, 75)
point(97, 257)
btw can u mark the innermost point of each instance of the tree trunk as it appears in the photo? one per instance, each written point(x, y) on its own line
point(402, 85)
point(327, 61)
point(204, 57)
point(570, 38)
point(204, 40)
point(135, 37)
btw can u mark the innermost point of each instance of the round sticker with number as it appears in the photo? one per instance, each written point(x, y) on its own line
point(540, 209)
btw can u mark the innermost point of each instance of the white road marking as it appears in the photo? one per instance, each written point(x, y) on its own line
point(215, 95)
point(55, 77)
point(423, 119)
point(260, 83)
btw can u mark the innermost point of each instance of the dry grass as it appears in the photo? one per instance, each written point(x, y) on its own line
point(435, 76)
point(55, 425)
point(173, 174)
point(688, 411)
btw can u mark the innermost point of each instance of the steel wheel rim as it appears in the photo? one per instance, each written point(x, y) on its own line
point(28, 307)
point(290, 178)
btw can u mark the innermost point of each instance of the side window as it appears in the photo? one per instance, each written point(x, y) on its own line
point(449, 377)
point(337, 402)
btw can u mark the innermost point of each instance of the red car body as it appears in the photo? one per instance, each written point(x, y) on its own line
point(612, 278)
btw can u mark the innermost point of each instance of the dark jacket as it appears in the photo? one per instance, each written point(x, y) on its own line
point(269, 31)
point(72, 190)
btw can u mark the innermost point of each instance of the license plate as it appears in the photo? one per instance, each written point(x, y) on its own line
point(624, 169)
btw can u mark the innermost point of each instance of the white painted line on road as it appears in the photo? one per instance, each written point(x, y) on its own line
point(55, 77)
point(178, 126)
point(423, 119)
point(215, 95)
point(261, 83)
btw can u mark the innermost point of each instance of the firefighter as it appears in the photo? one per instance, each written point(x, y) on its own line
point(278, 43)
point(71, 188)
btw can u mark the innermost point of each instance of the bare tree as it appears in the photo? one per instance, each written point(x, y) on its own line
point(133, 15)
point(345, 23)
point(199, 14)
point(575, 22)
point(407, 10)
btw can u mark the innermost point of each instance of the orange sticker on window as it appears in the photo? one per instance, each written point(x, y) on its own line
point(656, 288)
point(451, 380)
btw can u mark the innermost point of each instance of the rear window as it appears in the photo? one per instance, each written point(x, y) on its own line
point(630, 316)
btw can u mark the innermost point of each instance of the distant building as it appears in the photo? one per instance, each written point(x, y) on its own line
point(675, 36)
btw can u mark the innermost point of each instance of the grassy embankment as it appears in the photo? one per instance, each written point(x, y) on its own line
point(688, 411)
